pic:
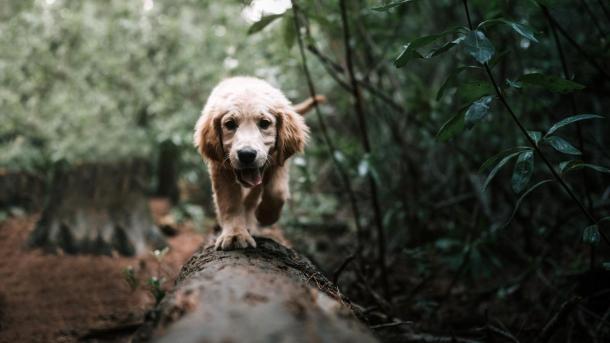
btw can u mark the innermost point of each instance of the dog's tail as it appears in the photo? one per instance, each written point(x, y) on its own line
point(306, 106)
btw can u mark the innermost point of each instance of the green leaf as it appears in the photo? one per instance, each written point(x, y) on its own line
point(444, 48)
point(497, 168)
point(451, 127)
point(451, 79)
point(523, 171)
point(409, 50)
point(477, 111)
point(591, 235)
point(570, 120)
point(262, 23)
point(289, 32)
point(472, 90)
point(562, 145)
point(535, 136)
point(390, 5)
point(520, 200)
point(567, 166)
point(552, 83)
point(514, 84)
point(494, 159)
point(521, 29)
point(478, 46)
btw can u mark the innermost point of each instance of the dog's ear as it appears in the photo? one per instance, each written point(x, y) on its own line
point(292, 133)
point(208, 137)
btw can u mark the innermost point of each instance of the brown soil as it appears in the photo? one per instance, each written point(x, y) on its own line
point(63, 298)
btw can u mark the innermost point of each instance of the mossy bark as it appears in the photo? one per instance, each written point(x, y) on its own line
point(266, 294)
point(98, 208)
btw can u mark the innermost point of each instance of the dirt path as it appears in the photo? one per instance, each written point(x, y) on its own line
point(61, 298)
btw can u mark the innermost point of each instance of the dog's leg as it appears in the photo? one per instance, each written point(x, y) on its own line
point(275, 194)
point(230, 211)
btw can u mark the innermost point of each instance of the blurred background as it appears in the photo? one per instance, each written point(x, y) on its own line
point(439, 199)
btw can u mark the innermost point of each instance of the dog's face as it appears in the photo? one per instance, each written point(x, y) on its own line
point(249, 138)
point(248, 129)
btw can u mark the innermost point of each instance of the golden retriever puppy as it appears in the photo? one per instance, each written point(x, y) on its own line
point(245, 133)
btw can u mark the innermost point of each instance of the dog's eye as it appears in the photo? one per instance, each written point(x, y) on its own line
point(264, 123)
point(231, 124)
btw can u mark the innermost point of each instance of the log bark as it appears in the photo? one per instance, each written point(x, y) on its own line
point(98, 208)
point(265, 294)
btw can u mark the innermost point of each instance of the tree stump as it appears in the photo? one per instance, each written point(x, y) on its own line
point(98, 208)
point(264, 294)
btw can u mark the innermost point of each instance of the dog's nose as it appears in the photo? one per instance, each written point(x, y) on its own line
point(246, 155)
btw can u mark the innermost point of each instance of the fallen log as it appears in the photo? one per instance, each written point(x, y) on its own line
point(266, 294)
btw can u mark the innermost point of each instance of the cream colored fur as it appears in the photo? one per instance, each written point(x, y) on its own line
point(245, 112)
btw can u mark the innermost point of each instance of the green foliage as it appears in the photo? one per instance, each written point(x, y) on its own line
point(155, 287)
point(551, 83)
point(524, 168)
point(478, 46)
point(131, 278)
point(477, 111)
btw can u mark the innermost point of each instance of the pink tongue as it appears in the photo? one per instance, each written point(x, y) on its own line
point(252, 176)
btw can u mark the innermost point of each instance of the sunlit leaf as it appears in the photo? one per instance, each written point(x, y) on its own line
point(524, 168)
point(562, 145)
point(262, 23)
point(478, 46)
point(591, 235)
point(551, 83)
point(477, 111)
point(570, 120)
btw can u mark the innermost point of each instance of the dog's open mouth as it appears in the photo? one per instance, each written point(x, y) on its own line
point(250, 177)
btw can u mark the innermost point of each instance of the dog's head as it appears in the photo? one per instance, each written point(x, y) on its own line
point(248, 126)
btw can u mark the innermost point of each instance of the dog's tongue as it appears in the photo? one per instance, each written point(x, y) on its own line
point(252, 176)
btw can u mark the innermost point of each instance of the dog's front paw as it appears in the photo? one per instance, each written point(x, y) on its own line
point(234, 240)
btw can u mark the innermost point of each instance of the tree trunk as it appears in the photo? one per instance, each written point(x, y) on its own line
point(266, 294)
point(167, 171)
point(98, 208)
point(21, 189)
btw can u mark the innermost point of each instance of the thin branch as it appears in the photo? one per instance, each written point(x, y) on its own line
point(359, 108)
point(345, 179)
point(577, 46)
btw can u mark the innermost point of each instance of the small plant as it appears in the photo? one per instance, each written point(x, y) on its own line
point(155, 287)
point(130, 277)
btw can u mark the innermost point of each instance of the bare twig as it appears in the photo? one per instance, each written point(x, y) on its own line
point(359, 109)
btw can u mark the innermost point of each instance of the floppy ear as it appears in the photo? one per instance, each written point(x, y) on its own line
point(292, 134)
point(208, 137)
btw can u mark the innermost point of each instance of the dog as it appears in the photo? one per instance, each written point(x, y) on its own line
point(246, 132)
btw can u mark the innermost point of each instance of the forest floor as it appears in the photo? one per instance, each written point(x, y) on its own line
point(65, 298)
